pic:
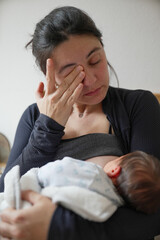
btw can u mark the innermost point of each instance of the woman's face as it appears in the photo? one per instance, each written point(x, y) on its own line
point(88, 52)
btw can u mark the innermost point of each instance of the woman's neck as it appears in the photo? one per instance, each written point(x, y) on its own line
point(83, 110)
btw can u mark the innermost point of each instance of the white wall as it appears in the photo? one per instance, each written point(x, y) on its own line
point(131, 30)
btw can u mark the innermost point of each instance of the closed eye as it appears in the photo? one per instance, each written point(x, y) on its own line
point(95, 59)
point(94, 63)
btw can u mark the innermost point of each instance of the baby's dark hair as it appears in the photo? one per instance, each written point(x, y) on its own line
point(139, 181)
point(56, 28)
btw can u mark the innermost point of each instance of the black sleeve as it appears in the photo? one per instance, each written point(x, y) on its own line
point(145, 124)
point(125, 224)
point(36, 140)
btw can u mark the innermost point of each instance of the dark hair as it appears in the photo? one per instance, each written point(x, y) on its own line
point(56, 28)
point(139, 181)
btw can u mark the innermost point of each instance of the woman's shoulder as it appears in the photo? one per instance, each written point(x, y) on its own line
point(124, 92)
point(130, 96)
point(31, 113)
point(126, 101)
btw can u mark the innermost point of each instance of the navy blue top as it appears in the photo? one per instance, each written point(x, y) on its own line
point(135, 118)
point(89, 146)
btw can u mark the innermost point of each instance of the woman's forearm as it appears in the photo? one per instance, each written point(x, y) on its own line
point(67, 225)
point(42, 144)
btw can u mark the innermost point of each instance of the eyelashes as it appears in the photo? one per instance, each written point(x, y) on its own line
point(95, 59)
point(94, 63)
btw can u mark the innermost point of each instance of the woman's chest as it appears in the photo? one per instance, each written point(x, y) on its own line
point(93, 123)
point(101, 160)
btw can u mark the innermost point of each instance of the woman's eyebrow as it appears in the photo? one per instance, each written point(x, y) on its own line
point(92, 51)
point(66, 66)
point(74, 64)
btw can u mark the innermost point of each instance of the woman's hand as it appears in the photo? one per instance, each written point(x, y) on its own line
point(57, 103)
point(31, 223)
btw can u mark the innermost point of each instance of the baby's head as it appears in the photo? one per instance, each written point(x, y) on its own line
point(137, 178)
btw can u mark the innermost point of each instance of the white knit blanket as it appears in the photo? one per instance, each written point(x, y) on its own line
point(80, 186)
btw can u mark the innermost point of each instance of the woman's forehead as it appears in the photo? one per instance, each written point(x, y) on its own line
point(75, 48)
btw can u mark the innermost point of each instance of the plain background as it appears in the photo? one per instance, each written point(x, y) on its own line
point(131, 35)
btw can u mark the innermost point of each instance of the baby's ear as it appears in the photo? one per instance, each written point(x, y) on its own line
point(113, 172)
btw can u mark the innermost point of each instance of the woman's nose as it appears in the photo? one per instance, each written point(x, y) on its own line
point(89, 78)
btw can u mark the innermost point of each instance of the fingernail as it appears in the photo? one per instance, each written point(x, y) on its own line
point(81, 74)
point(48, 62)
point(80, 85)
point(79, 68)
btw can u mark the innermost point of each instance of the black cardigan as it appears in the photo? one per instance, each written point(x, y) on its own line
point(135, 118)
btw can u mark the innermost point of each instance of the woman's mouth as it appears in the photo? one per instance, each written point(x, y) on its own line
point(94, 92)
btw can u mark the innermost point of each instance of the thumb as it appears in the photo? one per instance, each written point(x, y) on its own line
point(40, 91)
point(31, 196)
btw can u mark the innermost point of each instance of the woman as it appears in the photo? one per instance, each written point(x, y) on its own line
point(80, 116)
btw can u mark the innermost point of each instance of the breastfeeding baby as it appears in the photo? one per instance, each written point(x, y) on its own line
point(88, 188)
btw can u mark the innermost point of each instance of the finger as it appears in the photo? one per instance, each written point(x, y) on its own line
point(40, 91)
point(13, 231)
point(69, 80)
point(73, 98)
point(50, 76)
point(5, 215)
point(31, 196)
point(74, 87)
point(11, 216)
point(5, 231)
point(1, 238)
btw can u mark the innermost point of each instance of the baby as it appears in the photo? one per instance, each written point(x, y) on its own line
point(91, 191)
